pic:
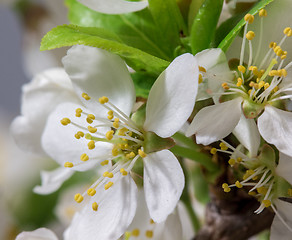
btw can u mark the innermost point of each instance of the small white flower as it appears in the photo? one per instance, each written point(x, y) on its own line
point(257, 87)
point(38, 234)
point(102, 133)
point(115, 6)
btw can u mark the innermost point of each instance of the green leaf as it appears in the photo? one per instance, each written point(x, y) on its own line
point(226, 42)
point(204, 25)
point(143, 84)
point(135, 29)
point(69, 35)
point(169, 21)
point(200, 185)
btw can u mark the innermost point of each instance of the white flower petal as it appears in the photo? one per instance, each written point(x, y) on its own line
point(275, 127)
point(278, 230)
point(60, 143)
point(163, 183)
point(172, 97)
point(173, 228)
point(248, 134)
point(115, 213)
point(215, 122)
point(114, 6)
point(40, 97)
point(284, 168)
point(100, 73)
point(38, 234)
point(216, 65)
point(52, 180)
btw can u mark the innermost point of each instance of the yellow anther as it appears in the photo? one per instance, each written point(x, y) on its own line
point(290, 192)
point(122, 131)
point(142, 153)
point(200, 78)
point(79, 134)
point(78, 112)
point(250, 35)
point(263, 13)
point(241, 68)
point(91, 192)
point(266, 86)
point(110, 112)
point(110, 175)
point(89, 120)
point(223, 146)
point(116, 120)
point(252, 193)
point(255, 178)
point(109, 135)
point(105, 173)
point(85, 96)
point(91, 116)
point(261, 84)
point(151, 221)
point(103, 100)
point(123, 172)
point(108, 185)
point(116, 125)
point(276, 89)
point(213, 151)
point(84, 157)
point(267, 203)
point(231, 161)
point(130, 133)
point(284, 56)
point(103, 163)
point(238, 184)
point(249, 18)
point(225, 86)
point(250, 172)
point(202, 69)
point(251, 84)
point(272, 45)
point(65, 121)
point(256, 86)
point(288, 32)
point(92, 129)
point(225, 187)
point(283, 72)
point(91, 145)
point(110, 117)
point(94, 206)
point(136, 232)
point(149, 233)
point(239, 159)
point(239, 82)
point(130, 155)
point(88, 136)
point(262, 190)
point(68, 164)
point(78, 198)
point(249, 92)
point(115, 151)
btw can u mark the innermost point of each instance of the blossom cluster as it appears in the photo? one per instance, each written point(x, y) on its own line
point(88, 116)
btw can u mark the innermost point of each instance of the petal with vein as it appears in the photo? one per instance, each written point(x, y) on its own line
point(38, 234)
point(284, 168)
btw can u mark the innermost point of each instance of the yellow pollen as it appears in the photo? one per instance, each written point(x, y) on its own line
point(284, 56)
point(84, 157)
point(272, 45)
point(273, 73)
point(110, 112)
point(85, 96)
point(142, 153)
point(267, 203)
point(68, 165)
point(116, 125)
point(263, 13)
point(239, 159)
point(108, 185)
point(276, 89)
point(78, 112)
point(79, 134)
point(225, 86)
point(149, 233)
point(262, 190)
point(65, 121)
point(239, 82)
point(103, 100)
point(115, 151)
point(261, 84)
point(249, 18)
point(231, 161)
point(94, 206)
point(105, 174)
point(103, 163)
point(266, 86)
point(251, 84)
point(136, 232)
point(225, 187)
point(89, 120)
point(252, 193)
point(92, 129)
point(249, 92)
point(110, 175)
point(122, 131)
point(78, 198)
point(88, 136)
point(202, 69)
point(290, 192)
point(123, 172)
point(130, 155)
point(91, 145)
point(283, 72)
point(288, 32)
point(91, 116)
point(255, 178)
point(250, 35)
point(109, 135)
point(110, 117)
point(200, 78)
point(91, 192)
point(241, 69)
point(213, 151)
point(223, 146)
point(238, 184)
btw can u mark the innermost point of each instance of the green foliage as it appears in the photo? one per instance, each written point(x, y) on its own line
point(143, 83)
point(69, 35)
point(137, 29)
point(226, 42)
point(200, 185)
point(204, 25)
